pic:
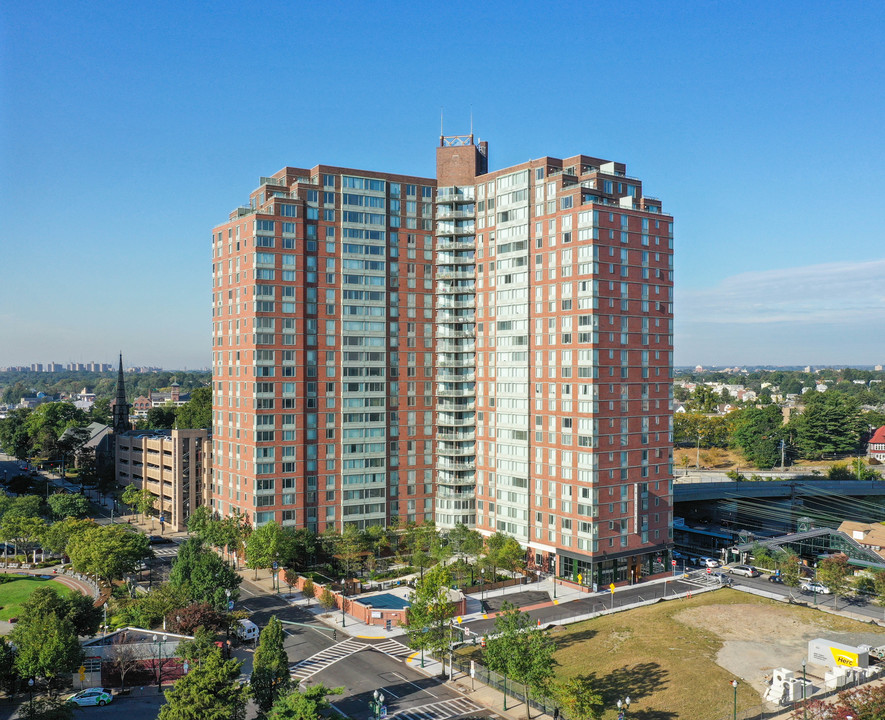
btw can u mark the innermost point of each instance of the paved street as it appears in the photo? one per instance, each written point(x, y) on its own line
point(405, 689)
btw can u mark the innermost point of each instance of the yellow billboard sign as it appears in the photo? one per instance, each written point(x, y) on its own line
point(844, 658)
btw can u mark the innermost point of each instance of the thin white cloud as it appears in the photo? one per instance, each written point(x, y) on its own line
point(830, 313)
point(843, 292)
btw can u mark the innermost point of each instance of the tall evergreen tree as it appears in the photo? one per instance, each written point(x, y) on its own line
point(270, 666)
point(208, 692)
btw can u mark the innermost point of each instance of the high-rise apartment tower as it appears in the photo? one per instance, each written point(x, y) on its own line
point(488, 348)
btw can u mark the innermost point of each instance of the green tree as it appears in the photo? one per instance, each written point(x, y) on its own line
point(310, 704)
point(503, 551)
point(22, 531)
point(139, 500)
point(47, 646)
point(57, 536)
point(267, 544)
point(233, 531)
point(831, 424)
point(703, 399)
point(521, 651)
point(204, 576)
point(270, 666)
point(430, 612)
point(196, 412)
point(196, 650)
point(879, 586)
point(15, 439)
point(833, 572)
point(9, 677)
point(788, 564)
point(79, 609)
point(64, 505)
point(48, 421)
point(209, 692)
point(350, 550)
point(327, 599)
point(756, 432)
point(203, 525)
point(25, 506)
point(100, 411)
point(308, 589)
point(160, 603)
point(107, 552)
point(579, 699)
point(160, 418)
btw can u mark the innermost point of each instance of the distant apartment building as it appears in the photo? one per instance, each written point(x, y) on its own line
point(173, 464)
point(487, 348)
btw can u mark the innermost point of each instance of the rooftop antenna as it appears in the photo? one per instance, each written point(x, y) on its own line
point(471, 121)
point(441, 122)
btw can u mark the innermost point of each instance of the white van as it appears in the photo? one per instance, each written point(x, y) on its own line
point(247, 630)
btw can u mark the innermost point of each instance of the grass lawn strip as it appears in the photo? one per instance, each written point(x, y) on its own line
point(14, 593)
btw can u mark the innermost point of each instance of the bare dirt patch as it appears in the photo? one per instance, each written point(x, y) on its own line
point(758, 638)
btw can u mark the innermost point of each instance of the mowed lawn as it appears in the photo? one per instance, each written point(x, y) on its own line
point(14, 593)
point(667, 667)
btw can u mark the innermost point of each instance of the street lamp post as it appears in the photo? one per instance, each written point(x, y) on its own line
point(734, 684)
point(623, 707)
point(482, 582)
point(376, 704)
point(343, 614)
point(160, 641)
point(804, 700)
point(31, 690)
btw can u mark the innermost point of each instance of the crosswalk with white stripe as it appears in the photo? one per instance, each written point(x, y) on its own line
point(167, 551)
point(324, 658)
point(396, 650)
point(439, 710)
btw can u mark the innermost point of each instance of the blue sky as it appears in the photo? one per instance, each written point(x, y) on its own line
point(128, 130)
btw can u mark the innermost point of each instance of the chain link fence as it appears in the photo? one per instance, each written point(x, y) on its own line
point(508, 687)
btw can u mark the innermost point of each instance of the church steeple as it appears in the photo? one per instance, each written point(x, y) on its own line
point(121, 407)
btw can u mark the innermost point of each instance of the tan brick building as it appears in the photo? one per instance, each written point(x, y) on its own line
point(174, 465)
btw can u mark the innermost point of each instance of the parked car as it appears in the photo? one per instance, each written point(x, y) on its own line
point(814, 587)
point(708, 562)
point(91, 696)
point(159, 540)
point(745, 570)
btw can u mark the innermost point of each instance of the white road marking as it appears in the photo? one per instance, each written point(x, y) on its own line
point(414, 685)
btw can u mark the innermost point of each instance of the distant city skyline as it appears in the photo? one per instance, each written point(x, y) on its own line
point(757, 124)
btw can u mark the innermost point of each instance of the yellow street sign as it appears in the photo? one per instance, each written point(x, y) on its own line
point(612, 588)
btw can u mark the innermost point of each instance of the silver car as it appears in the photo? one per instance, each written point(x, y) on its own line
point(745, 570)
